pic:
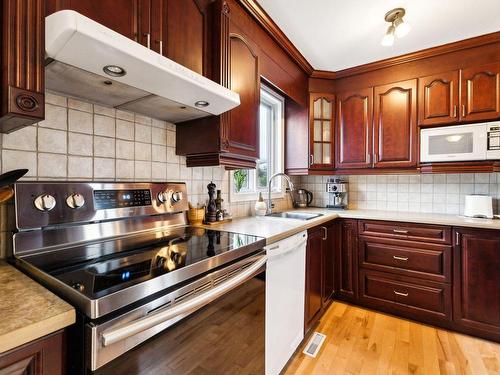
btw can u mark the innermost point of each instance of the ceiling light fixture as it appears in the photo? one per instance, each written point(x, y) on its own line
point(397, 28)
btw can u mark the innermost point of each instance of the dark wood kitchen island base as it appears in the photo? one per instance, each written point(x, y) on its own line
point(361, 341)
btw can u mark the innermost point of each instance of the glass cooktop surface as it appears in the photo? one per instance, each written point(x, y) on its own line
point(100, 268)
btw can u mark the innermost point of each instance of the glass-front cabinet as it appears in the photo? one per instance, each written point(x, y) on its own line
point(321, 122)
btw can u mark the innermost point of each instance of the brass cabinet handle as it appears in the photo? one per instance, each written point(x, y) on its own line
point(401, 231)
point(161, 47)
point(148, 40)
point(312, 159)
point(400, 258)
point(400, 293)
point(455, 110)
point(463, 110)
point(325, 237)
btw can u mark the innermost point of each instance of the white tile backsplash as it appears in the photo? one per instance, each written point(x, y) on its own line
point(439, 193)
point(83, 141)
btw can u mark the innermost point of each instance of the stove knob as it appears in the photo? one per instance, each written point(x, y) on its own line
point(75, 201)
point(45, 202)
point(78, 286)
point(163, 196)
point(176, 197)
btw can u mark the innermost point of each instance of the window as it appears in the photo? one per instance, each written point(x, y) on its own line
point(247, 183)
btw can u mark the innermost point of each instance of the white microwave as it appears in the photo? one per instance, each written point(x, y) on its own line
point(460, 143)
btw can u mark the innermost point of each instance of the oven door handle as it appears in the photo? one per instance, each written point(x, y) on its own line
point(115, 335)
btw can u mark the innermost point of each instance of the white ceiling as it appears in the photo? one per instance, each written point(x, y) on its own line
point(339, 34)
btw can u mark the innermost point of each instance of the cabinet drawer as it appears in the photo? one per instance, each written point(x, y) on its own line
point(417, 259)
point(416, 299)
point(408, 231)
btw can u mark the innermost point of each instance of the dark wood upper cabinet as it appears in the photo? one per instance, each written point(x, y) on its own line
point(438, 98)
point(127, 17)
point(241, 134)
point(480, 92)
point(395, 125)
point(476, 279)
point(179, 31)
point(354, 129)
point(22, 86)
point(231, 139)
point(321, 133)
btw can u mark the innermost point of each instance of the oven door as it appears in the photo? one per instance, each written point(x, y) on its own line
point(213, 325)
point(453, 143)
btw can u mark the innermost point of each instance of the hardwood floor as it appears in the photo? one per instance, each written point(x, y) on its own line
point(360, 341)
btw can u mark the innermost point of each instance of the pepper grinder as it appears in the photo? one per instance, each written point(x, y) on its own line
point(211, 214)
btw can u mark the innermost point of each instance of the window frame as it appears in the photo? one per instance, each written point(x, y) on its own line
point(276, 151)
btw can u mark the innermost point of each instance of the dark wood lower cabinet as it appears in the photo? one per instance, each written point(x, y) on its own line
point(346, 264)
point(313, 297)
point(417, 299)
point(321, 242)
point(415, 271)
point(44, 356)
point(476, 284)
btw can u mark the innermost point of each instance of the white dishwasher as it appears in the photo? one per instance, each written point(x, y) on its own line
point(285, 289)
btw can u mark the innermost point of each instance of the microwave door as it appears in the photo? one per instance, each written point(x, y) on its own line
point(453, 143)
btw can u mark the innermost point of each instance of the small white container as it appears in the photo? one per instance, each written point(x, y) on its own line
point(260, 206)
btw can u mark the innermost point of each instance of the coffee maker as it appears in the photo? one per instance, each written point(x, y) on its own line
point(339, 192)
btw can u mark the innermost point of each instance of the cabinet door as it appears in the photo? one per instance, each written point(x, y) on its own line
point(438, 98)
point(321, 130)
point(480, 93)
point(22, 91)
point(313, 298)
point(346, 261)
point(395, 125)
point(127, 17)
point(353, 138)
point(43, 356)
point(476, 294)
point(241, 134)
point(179, 31)
point(328, 261)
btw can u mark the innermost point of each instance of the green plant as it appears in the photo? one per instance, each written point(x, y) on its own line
point(240, 177)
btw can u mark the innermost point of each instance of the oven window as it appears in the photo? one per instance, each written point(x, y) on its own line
point(460, 143)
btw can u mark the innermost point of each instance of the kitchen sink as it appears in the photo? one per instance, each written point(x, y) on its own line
point(295, 215)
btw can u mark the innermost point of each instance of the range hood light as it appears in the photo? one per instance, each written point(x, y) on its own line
point(114, 70)
point(201, 104)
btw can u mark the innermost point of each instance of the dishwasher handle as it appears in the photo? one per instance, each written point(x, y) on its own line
point(130, 329)
point(286, 246)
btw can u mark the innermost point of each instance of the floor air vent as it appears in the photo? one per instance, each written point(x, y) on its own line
point(314, 345)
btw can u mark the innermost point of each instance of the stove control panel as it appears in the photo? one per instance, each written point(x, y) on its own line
point(105, 199)
point(41, 204)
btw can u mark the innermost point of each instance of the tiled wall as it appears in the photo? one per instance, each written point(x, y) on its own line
point(436, 193)
point(81, 141)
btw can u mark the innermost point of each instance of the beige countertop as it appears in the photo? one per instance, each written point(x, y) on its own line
point(28, 311)
point(275, 229)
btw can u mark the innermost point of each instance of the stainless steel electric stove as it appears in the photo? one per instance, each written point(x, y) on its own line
point(124, 256)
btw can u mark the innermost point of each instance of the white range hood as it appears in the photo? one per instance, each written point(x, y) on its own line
point(78, 49)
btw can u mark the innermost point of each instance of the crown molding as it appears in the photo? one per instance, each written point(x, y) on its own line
point(276, 33)
point(410, 57)
point(323, 74)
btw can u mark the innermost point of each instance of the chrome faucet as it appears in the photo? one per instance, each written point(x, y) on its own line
point(270, 204)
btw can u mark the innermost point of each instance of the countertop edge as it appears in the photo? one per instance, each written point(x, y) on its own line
point(32, 332)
